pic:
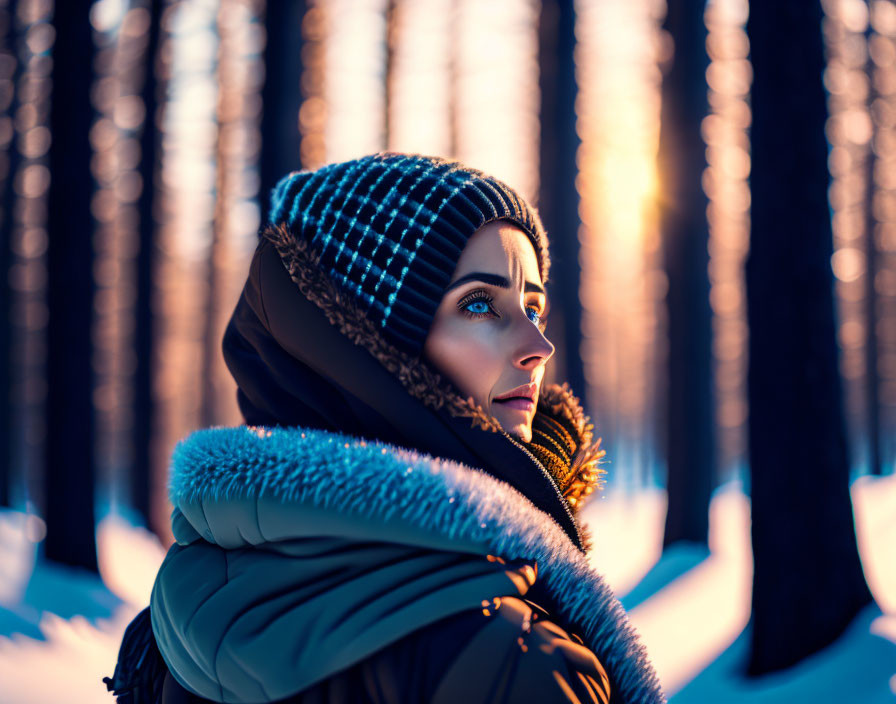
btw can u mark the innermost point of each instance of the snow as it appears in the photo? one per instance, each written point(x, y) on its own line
point(700, 658)
point(60, 628)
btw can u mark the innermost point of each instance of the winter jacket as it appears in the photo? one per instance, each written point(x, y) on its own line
point(366, 536)
point(300, 553)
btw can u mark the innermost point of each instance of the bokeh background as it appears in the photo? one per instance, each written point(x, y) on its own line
point(719, 185)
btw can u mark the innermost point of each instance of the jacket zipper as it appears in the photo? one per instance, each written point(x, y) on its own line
point(550, 479)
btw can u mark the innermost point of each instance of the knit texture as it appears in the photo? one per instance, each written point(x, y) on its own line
point(390, 229)
point(554, 446)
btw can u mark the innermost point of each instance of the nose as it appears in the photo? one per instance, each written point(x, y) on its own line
point(535, 349)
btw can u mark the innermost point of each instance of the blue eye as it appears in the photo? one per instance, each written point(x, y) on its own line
point(536, 316)
point(477, 304)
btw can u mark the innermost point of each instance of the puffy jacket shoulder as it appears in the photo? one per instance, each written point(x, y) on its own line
point(508, 652)
point(520, 655)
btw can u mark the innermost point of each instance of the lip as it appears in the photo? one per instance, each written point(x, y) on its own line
point(518, 403)
point(526, 390)
point(521, 398)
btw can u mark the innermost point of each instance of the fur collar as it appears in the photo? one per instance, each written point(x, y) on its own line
point(382, 491)
point(427, 385)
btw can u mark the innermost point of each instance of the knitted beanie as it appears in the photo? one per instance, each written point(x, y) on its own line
point(389, 229)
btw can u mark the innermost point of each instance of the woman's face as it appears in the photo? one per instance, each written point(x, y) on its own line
point(487, 335)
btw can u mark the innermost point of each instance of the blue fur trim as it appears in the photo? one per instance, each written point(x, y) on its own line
point(377, 481)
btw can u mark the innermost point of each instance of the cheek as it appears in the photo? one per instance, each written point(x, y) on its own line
point(467, 355)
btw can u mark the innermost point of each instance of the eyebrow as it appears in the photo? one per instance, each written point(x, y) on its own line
point(494, 280)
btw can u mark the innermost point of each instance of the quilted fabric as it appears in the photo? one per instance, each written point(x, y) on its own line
point(264, 517)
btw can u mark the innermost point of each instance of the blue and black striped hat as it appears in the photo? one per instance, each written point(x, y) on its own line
point(389, 229)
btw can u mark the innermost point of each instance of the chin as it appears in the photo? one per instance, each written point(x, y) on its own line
point(521, 431)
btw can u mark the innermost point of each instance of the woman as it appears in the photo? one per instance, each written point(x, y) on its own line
point(396, 522)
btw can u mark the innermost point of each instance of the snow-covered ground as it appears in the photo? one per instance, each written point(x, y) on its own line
point(692, 606)
point(60, 629)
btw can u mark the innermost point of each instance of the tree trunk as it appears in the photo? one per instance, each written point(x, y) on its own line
point(558, 198)
point(389, 68)
point(8, 169)
point(872, 378)
point(453, 30)
point(68, 444)
point(690, 422)
point(807, 580)
point(281, 94)
point(150, 148)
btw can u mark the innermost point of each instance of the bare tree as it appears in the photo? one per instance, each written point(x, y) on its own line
point(150, 150)
point(807, 579)
point(282, 93)
point(69, 443)
point(558, 198)
point(10, 71)
point(872, 377)
point(689, 422)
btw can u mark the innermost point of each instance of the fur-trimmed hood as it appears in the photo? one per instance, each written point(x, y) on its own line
point(256, 513)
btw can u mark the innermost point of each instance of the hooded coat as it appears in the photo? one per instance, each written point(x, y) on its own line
point(370, 536)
